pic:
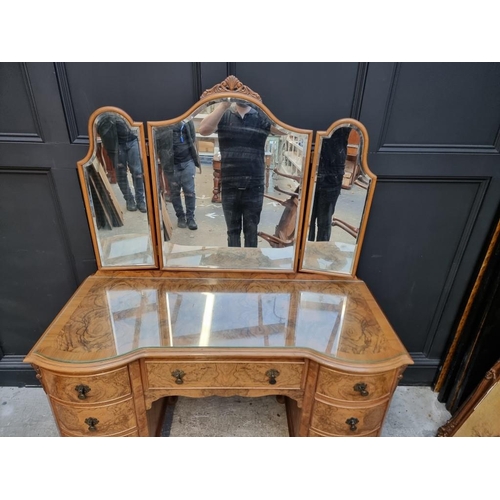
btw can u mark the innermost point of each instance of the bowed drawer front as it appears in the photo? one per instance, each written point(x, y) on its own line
point(343, 386)
point(104, 387)
point(89, 420)
point(336, 420)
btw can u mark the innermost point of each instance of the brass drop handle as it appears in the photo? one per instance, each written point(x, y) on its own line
point(178, 374)
point(351, 422)
point(361, 388)
point(82, 390)
point(272, 374)
point(92, 422)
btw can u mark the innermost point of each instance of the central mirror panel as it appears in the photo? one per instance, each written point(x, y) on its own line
point(227, 179)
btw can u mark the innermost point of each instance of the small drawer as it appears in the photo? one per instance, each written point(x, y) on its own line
point(103, 420)
point(313, 433)
point(353, 387)
point(342, 421)
point(133, 433)
point(107, 386)
point(209, 375)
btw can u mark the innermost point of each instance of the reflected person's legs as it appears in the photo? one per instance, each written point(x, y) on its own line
point(187, 175)
point(174, 182)
point(122, 179)
point(312, 223)
point(253, 199)
point(327, 200)
point(186, 178)
point(231, 206)
point(135, 166)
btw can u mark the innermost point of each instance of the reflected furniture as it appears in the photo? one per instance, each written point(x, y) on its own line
point(288, 320)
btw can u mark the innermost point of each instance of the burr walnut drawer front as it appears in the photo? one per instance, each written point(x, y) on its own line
point(102, 420)
point(347, 421)
point(354, 387)
point(313, 433)
point(247, 375)
point(133, 433)
point(106, 386)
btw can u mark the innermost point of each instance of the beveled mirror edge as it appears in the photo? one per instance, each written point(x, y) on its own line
point(310, 195)
point(147, 189)
point(215, 93)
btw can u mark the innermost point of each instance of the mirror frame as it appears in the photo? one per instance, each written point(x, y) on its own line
point(320, 135)
point(147, 187)
point(231, 87)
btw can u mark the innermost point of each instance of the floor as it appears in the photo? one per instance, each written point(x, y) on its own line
point(414, 412)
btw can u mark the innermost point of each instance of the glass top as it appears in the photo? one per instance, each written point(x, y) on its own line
point(110, 317)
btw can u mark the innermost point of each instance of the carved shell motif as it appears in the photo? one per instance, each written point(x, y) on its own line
point(231, 84)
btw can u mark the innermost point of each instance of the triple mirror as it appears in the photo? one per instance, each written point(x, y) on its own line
point(228, 186)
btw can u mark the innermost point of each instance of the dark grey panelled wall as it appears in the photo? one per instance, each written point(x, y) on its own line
point(434, 145)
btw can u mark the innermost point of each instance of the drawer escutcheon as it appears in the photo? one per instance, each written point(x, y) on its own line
point(92, 422)
point(351, 422)
point(82, 390)
point(361, 388)
point(272, 374)
point(178, 374)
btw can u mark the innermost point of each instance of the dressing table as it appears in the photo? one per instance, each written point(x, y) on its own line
point(168, 316)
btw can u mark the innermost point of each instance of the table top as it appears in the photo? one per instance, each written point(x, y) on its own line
point(112, 318)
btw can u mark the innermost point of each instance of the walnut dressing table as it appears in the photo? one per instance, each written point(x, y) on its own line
point(287, 319)
point(123, 343)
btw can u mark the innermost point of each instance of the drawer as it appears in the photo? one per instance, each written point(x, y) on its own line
point(106, 386)
point(313, 433)
point(112, 419)
point(208, 375)
point(332, 419)
point(133, 433)
point(354, 387)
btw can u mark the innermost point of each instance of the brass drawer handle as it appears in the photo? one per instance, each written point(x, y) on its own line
point(92, 422)
point(178, 374)
point(82, 390)
point(351, 422)
point(361, 388)
point(272, 374)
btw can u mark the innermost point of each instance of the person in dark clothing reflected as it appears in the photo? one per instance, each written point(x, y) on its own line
point(330, 173)
point(122, 145)
point(242, 131)
point(176, 147)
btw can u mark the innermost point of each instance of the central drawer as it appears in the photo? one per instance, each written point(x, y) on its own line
point(217, 374)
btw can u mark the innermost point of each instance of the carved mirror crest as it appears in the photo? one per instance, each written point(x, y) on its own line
point(115, 184)
point(339, 200)
point(227, 178)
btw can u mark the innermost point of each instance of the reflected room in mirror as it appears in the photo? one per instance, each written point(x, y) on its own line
point(227, 181)
point(115, 183)
point(339, 200)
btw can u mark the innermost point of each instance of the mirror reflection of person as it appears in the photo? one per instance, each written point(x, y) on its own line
point(329, 176)
point(122, 145)
point(176, 147)
point(242, 132)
